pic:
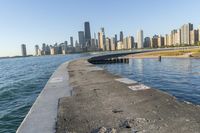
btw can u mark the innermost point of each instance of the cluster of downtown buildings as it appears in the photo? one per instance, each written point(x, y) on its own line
point(186, 35)
point(85, 43)
point(183, 36)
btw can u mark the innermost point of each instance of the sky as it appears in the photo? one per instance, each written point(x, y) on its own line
point(34, 22)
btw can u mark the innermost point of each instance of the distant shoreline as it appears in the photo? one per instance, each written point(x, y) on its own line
point(194, 50)
point(15, 57)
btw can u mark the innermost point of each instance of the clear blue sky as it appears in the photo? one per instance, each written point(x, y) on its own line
point(36, 21)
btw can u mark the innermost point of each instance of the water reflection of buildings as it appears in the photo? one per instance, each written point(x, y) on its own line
point(187, 65)
point(120, 68)
point(137, 65)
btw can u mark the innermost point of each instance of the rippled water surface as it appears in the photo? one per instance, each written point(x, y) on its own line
point(21, 80)
point(179, 77)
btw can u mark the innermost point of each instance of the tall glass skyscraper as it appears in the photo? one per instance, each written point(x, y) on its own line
point(87, 33)
point(121, 36)
point(71, 41)
point(81, 39)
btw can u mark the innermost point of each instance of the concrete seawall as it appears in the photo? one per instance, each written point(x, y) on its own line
point(83, 98)
point(43, 114)
point(102, 103)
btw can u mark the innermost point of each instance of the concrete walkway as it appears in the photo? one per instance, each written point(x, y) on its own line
point(106, 103)
point(43, 114)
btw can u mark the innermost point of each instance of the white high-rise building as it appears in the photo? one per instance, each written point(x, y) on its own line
point(108, 46)
point(185, 33)
point(125, 43)
point(173, 37)
point(178, 37)
point(140, 39)
point(130, 41)
point(113, 43)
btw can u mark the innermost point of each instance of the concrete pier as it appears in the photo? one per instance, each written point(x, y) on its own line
point(83, 98)
point(42, 116)
point(103, 102)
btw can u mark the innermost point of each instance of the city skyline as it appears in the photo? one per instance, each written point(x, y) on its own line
point(30, 22)
point(186, 35)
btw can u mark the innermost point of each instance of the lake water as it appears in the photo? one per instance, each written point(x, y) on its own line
point(21, 81)
point(178, 77)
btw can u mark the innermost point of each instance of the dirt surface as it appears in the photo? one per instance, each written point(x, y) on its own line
point(168, 54)
point(181, 53)
point(100, 104)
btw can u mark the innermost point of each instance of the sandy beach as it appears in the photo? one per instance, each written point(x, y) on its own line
point(167, 54)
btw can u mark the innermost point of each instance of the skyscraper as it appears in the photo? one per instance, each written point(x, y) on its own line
point(147, 42)
point(81, 39)
point(64, 48)
point(108, 44)
point(52, 50)
point(71, 41)
point(173, 37)
point(113, 43)
point(87, 34)
point(93, 44)
point(116, 39)
point(43, 47)
point(178, 37)
point(76, 44)
point(121, 36)
point(120, 45)
point(161, 41)
point(36, 50)
point(167, 43)
point(193, 36)
point(154, 41)
point(66, 44)
point(96, 41)
point(23, 50)
point(185, 33)
point(102, 39)
point(140, 39)
point(130, 42)
point(125, 43)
